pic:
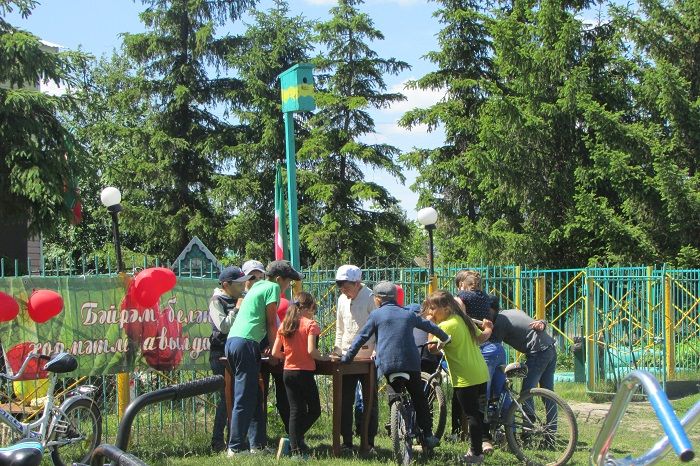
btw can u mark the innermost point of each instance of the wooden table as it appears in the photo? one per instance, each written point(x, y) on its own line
point(364, 367)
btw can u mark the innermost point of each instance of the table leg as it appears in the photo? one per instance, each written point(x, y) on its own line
point(337, 410)
point(228, 388)
point(369, 382)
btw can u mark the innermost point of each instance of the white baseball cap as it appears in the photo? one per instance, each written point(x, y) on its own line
point(348, 273)
point(251, 265)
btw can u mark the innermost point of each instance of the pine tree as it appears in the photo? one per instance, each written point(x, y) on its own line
point(343, 216)
point(40, 160)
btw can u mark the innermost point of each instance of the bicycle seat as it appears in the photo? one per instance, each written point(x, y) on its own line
point(26, 453)
point(515, 369)
point(61, 363)
point(398, 375)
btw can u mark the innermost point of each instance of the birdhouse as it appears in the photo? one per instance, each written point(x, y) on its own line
point(298, 88)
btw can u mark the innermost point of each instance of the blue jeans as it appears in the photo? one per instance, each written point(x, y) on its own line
point(217, 435)
point(494, 355)
point(540, 370)
point(247, 416)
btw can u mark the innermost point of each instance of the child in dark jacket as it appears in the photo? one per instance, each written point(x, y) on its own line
point(396, 351)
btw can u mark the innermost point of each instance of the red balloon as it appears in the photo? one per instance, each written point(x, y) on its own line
point(8, 307)
point(399, 295)
point(44, 304)
point(150, 284)
point(282, 308)
point(166, 354)
point(141, 323)
point(16, 356)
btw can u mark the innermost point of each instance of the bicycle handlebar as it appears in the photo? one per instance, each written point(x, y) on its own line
point(21, 370)
point(662, 447)
point(673, 428)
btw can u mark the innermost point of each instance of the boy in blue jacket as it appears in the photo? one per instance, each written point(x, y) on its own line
point(396, 351)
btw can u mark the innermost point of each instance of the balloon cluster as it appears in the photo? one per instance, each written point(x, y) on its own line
point(143, 295)
point(41, 307)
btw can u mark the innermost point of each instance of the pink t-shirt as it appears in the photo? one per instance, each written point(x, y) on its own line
point(296, 346)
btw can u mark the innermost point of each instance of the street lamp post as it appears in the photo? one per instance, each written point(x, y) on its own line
point(111, 198)
point(428, 218)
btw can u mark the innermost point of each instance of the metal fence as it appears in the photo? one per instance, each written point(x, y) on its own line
point(607, 322)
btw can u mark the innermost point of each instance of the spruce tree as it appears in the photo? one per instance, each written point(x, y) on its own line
point(161, 134)
point(272, 43)
point(40, 159)
point(446, 179)
point(343, 216)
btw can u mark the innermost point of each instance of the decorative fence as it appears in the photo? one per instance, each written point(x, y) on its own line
point(607, 321)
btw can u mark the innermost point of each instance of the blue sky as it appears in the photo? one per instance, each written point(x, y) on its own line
point(408, 27)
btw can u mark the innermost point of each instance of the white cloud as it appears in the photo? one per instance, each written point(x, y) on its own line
point(396, 2)
point(415, 98)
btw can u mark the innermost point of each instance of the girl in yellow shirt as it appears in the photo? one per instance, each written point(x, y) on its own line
point(468, 371)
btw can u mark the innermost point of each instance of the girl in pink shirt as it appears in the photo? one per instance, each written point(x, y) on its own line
point(297, 335)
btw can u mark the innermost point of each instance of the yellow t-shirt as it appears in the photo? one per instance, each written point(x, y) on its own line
point(464, 360)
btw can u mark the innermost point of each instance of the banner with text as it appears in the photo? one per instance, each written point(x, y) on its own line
point(104, 328)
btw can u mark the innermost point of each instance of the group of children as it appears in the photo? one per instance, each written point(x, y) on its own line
point(370, 323)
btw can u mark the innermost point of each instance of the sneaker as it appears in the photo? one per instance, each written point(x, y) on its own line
point(218, 447)
point(284, 448)
point(431, 442)
point(262, 451)
point(298, 455)
point(470, 458)
point(347, 449)
point(231, 453)
point(486, 447)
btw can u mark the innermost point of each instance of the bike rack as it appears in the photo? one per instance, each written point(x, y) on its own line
point(117, 453)
point(676, 436)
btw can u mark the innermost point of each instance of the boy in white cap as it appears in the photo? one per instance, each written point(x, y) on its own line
point(355, 303)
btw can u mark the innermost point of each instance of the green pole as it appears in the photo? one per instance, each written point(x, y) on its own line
point(292, 189)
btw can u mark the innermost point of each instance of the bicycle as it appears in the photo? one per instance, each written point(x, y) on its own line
point(71, 431)
point(436, 395)
point(538, 426)
point(403, 426)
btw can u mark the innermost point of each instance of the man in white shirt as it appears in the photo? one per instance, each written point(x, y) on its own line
point(355, 303)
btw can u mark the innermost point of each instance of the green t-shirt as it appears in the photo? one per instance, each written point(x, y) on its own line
point(251, 321)
point(464, 360)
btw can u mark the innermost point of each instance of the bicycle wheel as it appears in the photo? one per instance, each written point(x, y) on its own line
point(541, 428)
point(78, 432)
point(401, 441)
point(437, 406)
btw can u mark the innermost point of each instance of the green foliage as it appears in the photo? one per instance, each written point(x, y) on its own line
point(39, 158)
point(343, 217)
point(566, 145)
point(150, 117)
point(271, 44)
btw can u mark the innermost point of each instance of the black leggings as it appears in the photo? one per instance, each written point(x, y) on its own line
point(414, 387)
point(304, 404)
point(468, 398)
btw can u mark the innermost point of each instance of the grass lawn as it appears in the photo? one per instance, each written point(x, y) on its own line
point(638, 432)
